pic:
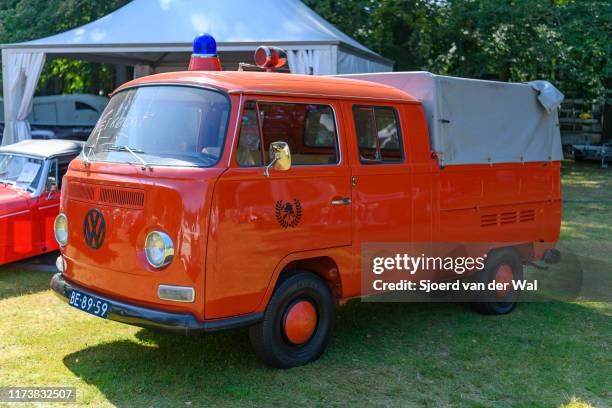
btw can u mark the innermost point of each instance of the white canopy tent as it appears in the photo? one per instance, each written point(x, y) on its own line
point(156, 36)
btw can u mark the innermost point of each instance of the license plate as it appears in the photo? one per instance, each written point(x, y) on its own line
point(89, 304)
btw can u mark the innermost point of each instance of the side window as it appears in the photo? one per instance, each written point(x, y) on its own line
point(248, 153)
point(308, 129)
point(84, 106)
point(63, 164)
point(365, 128)
point(378, 135)
point(319, 128)
point(52, 176)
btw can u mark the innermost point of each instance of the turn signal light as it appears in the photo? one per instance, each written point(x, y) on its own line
point(176, 293)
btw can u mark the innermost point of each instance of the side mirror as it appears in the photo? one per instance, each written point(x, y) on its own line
point(281, 157)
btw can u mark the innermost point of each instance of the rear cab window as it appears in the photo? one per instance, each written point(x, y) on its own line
point(309, 129)
point(378, 134)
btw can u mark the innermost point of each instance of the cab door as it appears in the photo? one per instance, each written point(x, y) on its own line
point(17, 229)
point(257, 220)
point(381, 180)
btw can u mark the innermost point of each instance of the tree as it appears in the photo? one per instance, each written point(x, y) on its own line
point(566, 41)
point(25, 20)
point(402, 30)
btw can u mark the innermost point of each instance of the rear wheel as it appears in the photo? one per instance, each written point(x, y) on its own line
point(502, 266)
point(297, 323)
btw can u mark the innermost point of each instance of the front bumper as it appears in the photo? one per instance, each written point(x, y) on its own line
point(184, 323)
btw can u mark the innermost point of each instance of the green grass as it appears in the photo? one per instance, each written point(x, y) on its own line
point(543, 354)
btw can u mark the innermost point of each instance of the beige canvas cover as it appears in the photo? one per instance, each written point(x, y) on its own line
point(475, 121)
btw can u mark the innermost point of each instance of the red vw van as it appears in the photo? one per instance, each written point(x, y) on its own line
point(212, 200)
point(30, 182)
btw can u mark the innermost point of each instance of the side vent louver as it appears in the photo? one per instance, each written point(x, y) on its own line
point(488, 220)
point(527, 215)
point(505, 218)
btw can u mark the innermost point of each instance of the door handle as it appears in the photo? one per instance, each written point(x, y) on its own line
point(341, 201)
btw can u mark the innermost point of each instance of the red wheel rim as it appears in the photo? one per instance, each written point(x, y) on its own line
point(300, 322)
point(504, 276)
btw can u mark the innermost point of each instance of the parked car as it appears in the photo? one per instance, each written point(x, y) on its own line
point(30, 182)
point(211, 200)
point(70, 117)
point(593, 152)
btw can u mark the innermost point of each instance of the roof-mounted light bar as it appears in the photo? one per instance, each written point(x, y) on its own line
point(204, 56)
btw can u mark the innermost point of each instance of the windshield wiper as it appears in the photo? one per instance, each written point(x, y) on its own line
point(133, 152)
point(89, 152)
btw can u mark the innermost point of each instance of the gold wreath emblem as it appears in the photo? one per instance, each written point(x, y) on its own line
point(288, 214)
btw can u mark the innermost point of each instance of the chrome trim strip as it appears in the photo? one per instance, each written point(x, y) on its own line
point(15, 213)
point(341, 201)
point(49, 206)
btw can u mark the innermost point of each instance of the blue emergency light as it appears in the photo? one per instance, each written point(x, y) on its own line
point(205, 45)
point(204, 57)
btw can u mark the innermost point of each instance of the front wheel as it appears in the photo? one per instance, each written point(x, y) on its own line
point(297, 323)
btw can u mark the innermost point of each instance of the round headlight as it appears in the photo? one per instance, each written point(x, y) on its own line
point(159, 249)
point(60, 229)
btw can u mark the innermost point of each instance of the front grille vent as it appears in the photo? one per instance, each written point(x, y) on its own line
point(122, 197)
point(83, 192)
point(106, 195)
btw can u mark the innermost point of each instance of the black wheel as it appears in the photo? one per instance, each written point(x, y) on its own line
point(297, 323)
point(503, 266)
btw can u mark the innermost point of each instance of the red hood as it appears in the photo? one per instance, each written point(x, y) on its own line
point(12, 200)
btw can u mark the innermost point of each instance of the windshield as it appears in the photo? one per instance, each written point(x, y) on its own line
point(20, 171)
point(161, 125)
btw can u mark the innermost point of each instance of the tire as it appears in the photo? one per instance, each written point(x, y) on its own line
point(271, 338)
point(497, 262)
point(579, 156)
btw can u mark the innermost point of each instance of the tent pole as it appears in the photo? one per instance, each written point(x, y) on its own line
point(6, 94)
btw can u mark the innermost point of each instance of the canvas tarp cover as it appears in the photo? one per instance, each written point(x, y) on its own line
point(475, 121)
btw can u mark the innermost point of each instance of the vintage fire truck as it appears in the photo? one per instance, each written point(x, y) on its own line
point(208, 200)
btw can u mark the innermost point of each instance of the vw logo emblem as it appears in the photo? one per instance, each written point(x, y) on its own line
point(94, 228)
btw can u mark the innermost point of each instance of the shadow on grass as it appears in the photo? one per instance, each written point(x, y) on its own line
point(15, 281)
point(415, 345)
